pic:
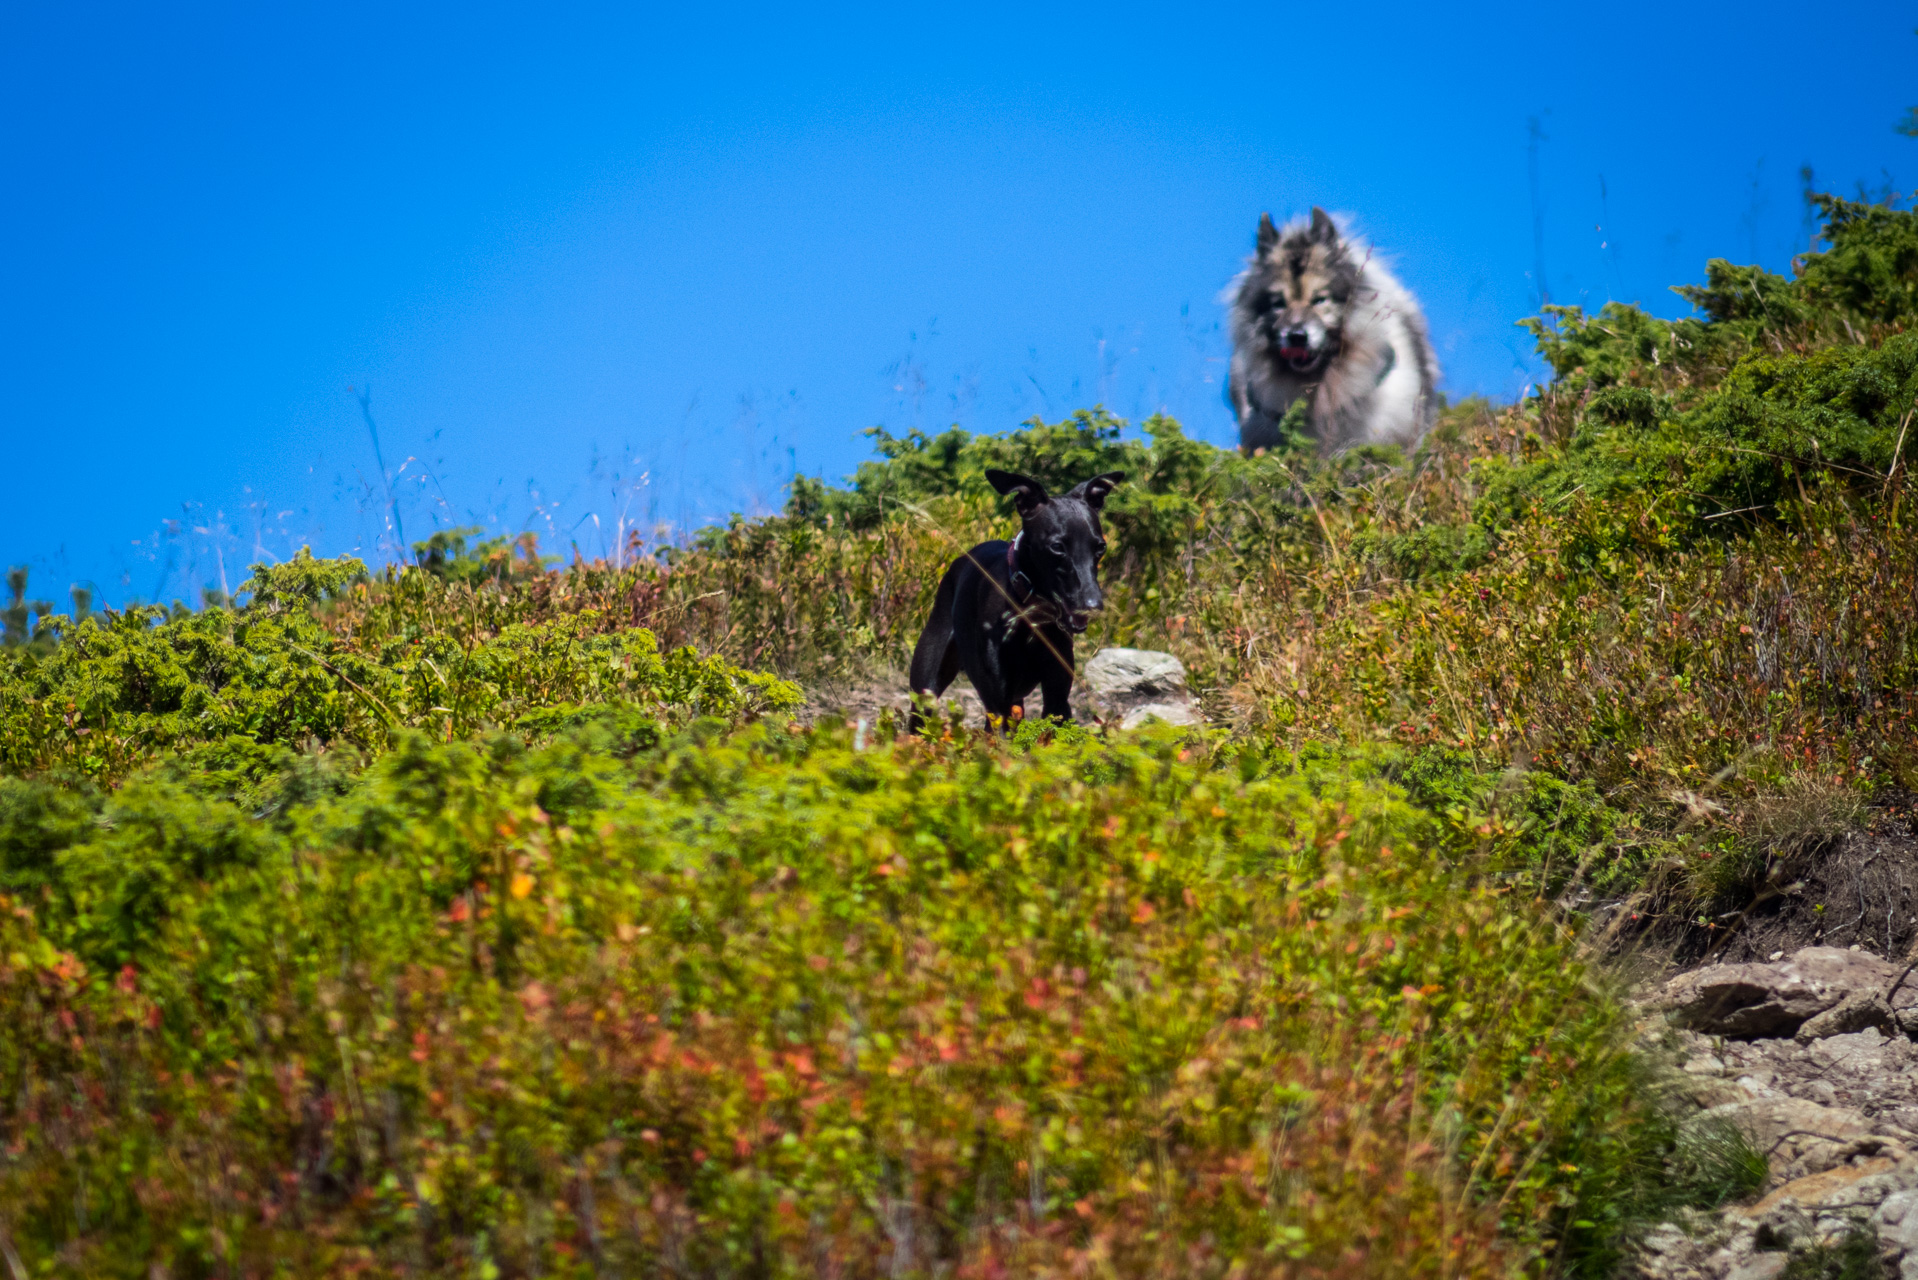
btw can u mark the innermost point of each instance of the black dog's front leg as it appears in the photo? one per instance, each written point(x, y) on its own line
point(993, 681)
point(1056, 678)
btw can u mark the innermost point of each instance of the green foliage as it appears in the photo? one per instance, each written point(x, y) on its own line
point(38, 819)
point(563, 1008)
point(1854, 1256)
point(447, 557)
point(1778, 383)
point(21, 616)
point(301, 582)
point(232, 687)
point(1430, 549)
point(1870, 270)
point(1774, 425)
point(917, 467)
point(1531, 821)
point(1862, 286)
point(1167, 473)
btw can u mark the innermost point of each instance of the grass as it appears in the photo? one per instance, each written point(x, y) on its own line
point(1855, 1256)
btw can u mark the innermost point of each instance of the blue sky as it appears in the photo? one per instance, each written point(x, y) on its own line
point(599, 265)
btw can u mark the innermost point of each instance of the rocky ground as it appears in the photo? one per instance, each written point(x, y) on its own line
point(1810, 1056)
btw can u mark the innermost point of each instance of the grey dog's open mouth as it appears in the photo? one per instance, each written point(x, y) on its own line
point(1300, 358)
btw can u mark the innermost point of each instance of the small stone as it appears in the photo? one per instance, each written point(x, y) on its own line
point(1168, 712)
point(1776, 955)
point(1897, 1221)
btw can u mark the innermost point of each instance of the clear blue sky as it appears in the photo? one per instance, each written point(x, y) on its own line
point(569, 247)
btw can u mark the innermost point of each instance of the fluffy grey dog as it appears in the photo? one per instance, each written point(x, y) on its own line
point(1315, 313)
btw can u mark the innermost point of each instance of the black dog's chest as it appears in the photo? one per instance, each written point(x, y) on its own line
point(1031, 625)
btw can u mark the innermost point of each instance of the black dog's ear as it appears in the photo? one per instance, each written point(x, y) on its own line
point(1268, 234)
point(1324, 230)
point(1028, 495)
point(1093, 492)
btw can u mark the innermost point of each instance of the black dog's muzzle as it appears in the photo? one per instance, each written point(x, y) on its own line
point(1073, 620)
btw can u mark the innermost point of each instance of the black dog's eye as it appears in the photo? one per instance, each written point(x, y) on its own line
point(1099, 551)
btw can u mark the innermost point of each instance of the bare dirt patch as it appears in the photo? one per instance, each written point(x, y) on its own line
point(1860, 889)
point(1856, 887)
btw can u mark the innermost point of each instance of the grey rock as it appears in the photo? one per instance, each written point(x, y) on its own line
point(1834, 1111)
point(1896, 1222)
point(1800, 1137)
point(1131, 687)
point(1760, 1266)
point(1169, 712)
point(1867, 1071)
point(1896, 1207)
point(1134, 673)
point(1856, 1012)
point(1753, 1001)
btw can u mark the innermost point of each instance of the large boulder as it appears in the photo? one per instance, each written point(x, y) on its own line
point(1753, 1001)
point(1134, 686)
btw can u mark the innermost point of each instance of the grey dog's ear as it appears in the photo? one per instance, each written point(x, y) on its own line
point(1324, 230)
point(1268, 234)
point(1094, 491)
point(1028, 495)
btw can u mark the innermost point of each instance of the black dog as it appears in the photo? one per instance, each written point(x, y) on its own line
point(1006, 612)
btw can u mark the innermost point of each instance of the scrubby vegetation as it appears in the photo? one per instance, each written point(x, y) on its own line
point(481, 918)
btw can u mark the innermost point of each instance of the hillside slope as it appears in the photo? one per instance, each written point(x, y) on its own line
point(479, 919)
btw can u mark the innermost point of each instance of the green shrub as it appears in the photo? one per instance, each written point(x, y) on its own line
point(1860, 289)
point(1774, 426)
point(235, 686)
point(447, 557)
point(764, 997)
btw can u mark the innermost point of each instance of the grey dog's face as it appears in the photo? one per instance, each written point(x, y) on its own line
point(1301, 320)
point(1299, 291)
